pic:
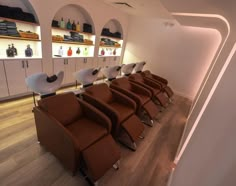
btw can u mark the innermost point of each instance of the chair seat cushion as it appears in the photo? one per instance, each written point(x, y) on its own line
point(155, 91)
point(86, 132)
point(123, 110)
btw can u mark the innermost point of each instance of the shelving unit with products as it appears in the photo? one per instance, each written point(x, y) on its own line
point(66, 37)
point(110, 46)
point(20, 48)
point(28, 34)
point(72, 46)
point(79, 49)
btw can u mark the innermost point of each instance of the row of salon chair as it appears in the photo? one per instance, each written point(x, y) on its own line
point(82, 130)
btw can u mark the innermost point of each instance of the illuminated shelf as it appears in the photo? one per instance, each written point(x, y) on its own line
point(64, 29)
point(19, 21)
point(73, 43)
point(110, 37)
point(109, 46)
point(18, 38)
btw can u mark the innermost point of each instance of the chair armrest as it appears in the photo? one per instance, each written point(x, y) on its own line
point(57, 139)
point(163, 80)
point(123, 99)
point(106, 109)
point(126, 92)
point(141, 90)
point(159, 83)
point(95, 115)
point(152, 83)
point(141, 84)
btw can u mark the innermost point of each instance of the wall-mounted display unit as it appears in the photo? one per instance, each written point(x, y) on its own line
point(72, 33)
point(110, 46)
point(19, 31)
point(17, 36)
point(20, 47)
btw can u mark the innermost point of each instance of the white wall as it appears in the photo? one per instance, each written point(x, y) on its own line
point(208, 157)
point(180, 54)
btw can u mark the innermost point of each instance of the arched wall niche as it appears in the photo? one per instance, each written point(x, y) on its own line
point(114, 26)
point(111, 41)
point(25, 24)
point(25, 5)
point(75, 13)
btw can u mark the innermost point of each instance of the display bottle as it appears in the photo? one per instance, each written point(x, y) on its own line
point(85, 52)
point(68, 25)
point(14, 49)
point(102, 52)
point(60, 51)
point(10, 52)
point(69, 52)
point(73, 26)
point(78, 51)
point(78, 27)
point(114, 52)
point(28, 51)
point(62, 23)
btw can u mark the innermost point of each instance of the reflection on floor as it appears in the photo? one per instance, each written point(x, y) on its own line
point(24, 162)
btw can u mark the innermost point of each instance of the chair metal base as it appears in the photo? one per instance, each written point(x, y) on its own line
point(145, 119)
point(116, 166)
point(130, 145)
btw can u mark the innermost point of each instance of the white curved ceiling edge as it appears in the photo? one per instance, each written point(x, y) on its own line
point(213, 16)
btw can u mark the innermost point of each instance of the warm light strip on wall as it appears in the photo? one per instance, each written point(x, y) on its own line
point(216, 82)
point(228, 27)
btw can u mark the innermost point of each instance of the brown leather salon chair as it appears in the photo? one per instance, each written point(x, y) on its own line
point(152, 86)
point(161, 81)
point(77, 134)
point(142, 97)
point(126, 126)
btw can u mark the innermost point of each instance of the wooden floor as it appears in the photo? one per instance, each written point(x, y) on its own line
point(24, 162)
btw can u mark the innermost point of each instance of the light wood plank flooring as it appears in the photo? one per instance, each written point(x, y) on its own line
point(25, 162)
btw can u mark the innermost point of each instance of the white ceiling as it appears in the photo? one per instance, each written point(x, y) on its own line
point(144, 8)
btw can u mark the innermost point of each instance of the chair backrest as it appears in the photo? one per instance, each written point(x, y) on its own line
point(63, 107)
point(122, 83)
point(100, 91)
point(146, 73)
point(136, 77)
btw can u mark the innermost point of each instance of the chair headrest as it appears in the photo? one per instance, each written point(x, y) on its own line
point(52, 78)
point(95, 71)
